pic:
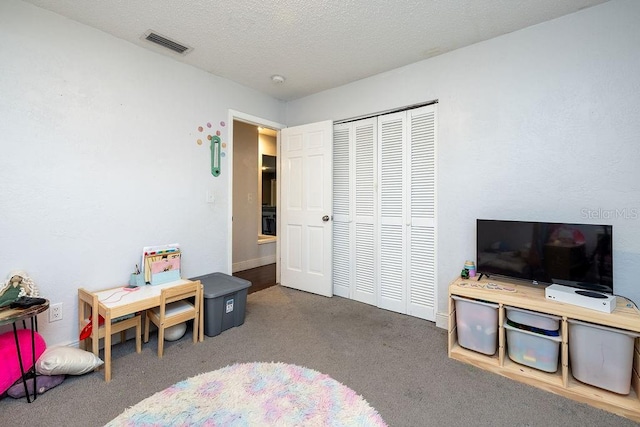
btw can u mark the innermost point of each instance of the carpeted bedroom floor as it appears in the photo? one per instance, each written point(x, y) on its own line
point(397, 363)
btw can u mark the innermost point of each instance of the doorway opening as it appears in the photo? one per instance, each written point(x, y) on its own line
point(253, 242)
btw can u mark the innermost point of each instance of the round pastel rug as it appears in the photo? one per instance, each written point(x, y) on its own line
point(253, 394)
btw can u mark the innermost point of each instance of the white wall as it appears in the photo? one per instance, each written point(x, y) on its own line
point(541, 124)
point(99, 157)
point(267, 145)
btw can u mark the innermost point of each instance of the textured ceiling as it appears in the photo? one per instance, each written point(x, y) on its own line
point(315, 44)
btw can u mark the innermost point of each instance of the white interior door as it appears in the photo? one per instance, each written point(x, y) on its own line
point(306, 199)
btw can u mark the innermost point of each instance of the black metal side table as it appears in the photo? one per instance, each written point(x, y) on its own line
point(14, 315)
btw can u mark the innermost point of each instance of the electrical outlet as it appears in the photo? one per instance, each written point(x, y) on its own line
point(55, 312)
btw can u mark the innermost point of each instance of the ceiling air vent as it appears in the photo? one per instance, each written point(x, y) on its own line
point(165, 42)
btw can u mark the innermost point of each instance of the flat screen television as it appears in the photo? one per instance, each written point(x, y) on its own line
point(577, 255)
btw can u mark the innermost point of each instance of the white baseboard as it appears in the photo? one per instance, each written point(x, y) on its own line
point(442, 320)
point(253, 263)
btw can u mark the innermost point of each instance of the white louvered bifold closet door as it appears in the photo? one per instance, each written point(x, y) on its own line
point(354, 211)
point(342, 195)
point(384, 229)
point(392, 201)
point(421, 231)
point(364, 236)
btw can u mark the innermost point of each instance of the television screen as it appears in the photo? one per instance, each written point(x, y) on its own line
point(578, 255)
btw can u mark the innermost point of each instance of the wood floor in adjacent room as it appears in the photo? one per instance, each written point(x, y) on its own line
point(260, 277)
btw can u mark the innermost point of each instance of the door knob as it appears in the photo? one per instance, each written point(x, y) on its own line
point(325, 218)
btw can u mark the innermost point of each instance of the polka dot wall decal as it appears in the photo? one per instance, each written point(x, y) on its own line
point(215, 141)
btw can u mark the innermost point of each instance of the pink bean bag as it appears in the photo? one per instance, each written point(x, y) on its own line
point(10, 372)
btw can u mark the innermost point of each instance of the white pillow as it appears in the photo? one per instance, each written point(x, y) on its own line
point(67, 361)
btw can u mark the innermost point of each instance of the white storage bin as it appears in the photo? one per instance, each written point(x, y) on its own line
point(601, 356)
point(531, 318)
point(532, 349)
point(477, 324)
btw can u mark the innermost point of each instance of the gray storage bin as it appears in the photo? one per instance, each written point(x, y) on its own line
point(225, 300)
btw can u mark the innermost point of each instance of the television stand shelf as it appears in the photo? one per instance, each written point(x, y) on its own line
point(529, 297)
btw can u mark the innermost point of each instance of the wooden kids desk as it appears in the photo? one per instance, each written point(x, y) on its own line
point(117, 302)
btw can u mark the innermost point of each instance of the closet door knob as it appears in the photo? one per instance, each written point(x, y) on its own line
point(325, 218)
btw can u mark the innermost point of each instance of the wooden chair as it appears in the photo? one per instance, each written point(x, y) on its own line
point(86, 303)
point(175, 307)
